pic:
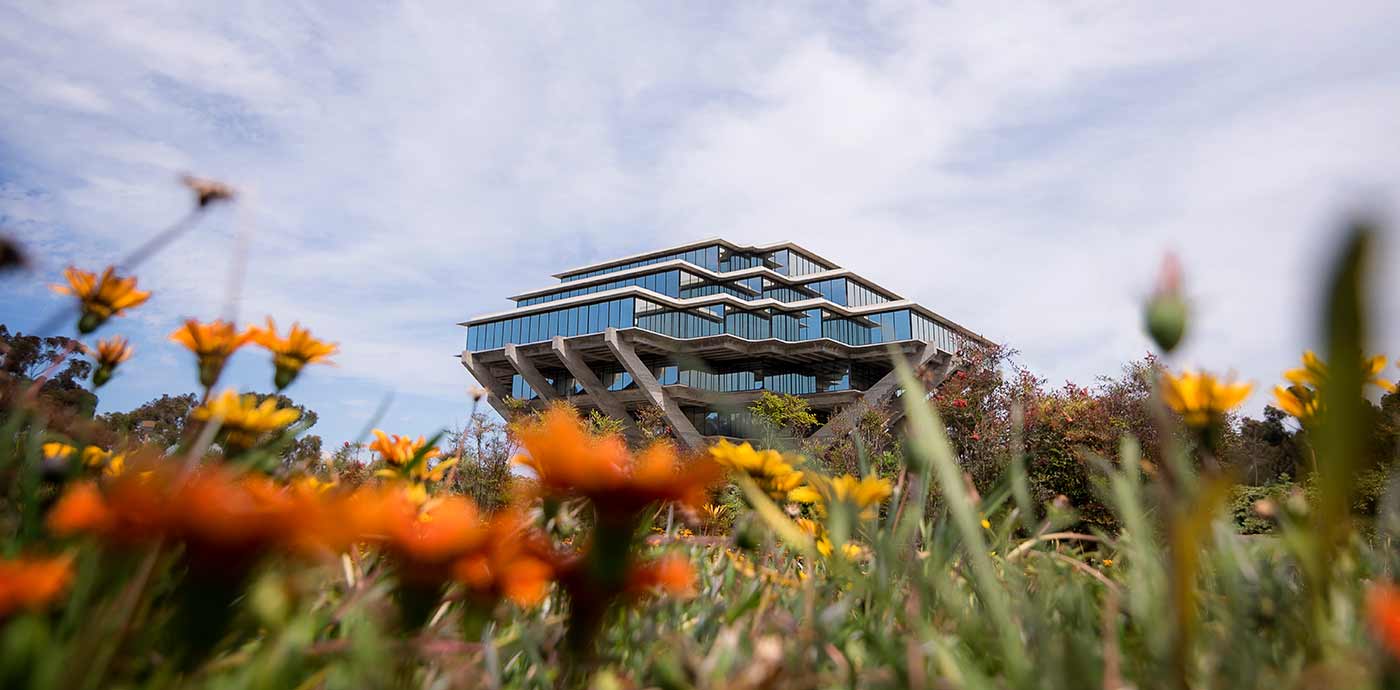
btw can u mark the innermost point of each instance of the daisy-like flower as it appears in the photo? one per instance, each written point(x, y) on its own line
point(1314, 373)
point(293, 352)
point(213, 343)
point(110, 463)
point(773, 471)
point(864, 494)
point(409, 459)
point(1200, 398)
point(570, 461)
point(54, 450)
point(101, 297)
point(31, 584)
point(109, 353)
point(1300, 402)
point(207, 191)
point(244, 420)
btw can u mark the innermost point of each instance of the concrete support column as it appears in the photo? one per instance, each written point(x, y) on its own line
point(885, 387)
point(602, 397)
point(496, 394)
point(622, 350)
point(532, 376)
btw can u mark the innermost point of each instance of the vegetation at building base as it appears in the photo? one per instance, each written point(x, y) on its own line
point(1133, 533)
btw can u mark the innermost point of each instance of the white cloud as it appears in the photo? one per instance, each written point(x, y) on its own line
point(1018, 168)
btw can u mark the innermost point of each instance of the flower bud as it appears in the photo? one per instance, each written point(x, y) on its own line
point(1166, 313)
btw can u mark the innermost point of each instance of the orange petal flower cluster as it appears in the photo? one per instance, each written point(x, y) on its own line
point(32, 583)
point(227, 522)
point(570, 461)
point(100, 298)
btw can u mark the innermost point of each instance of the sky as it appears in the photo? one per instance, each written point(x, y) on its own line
point(1019, 167)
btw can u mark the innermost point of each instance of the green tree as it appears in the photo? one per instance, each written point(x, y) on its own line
point(25, 358)
point(783, 413)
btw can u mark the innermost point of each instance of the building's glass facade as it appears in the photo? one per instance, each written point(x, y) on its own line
point(772, 295)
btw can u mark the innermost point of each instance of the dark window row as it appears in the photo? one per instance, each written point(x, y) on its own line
point(665, 282)
point(704, 256)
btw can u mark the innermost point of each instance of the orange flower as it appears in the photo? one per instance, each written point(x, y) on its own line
point(32, 583)
point(1383, 610)
point(100, 298)
point(213, 343)
point(569, 461)
point(292, 353)
point(671, 575)
point(514, 564)
point(109, 353)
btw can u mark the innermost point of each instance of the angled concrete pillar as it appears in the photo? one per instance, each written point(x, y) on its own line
point(532, 376)
point(622, 350)
point(885, 387)
point(602, 397)
point(496, 394)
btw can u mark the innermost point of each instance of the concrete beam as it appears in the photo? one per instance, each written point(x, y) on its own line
point(532, 376)
point(602, 397)
point(876, 394)
point(622, 350)
point(496, 394)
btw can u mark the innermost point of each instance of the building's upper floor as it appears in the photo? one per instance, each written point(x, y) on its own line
point(715, 287)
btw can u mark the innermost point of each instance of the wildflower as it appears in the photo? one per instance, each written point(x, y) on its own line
point(514, 564)
point(109, 354)
point(213, 343)
point(1200, 398)
point(1166, 314)
point(672, 575)
point(1314, 372)
point(1301, 402)
point(1383, 610)
point(207, 191)
point(1108, 562)
point(292, 353)
point(570, 461)
point(54, 450)
point(102, 297)
point(771, 470)
point(986, 524)
point(409, 460)
point(110, 463)
point(865, 495)
point(244, 420)
point(32, 583)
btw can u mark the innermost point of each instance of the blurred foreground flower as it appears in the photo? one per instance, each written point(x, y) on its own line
point(109, 353)
point(243, 420)
point(213, 343)
point(1166, 312)
point(1383, 611)
point(293, 352)
point(207, 191)
point(32, 583)
point(1300, 402)
point(100, 298)
point(1313, 373)
point(1201, 399)
point(773, 471)
point(569, 462)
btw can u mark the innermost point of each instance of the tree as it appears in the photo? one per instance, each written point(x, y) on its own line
point(25, 358)
point(160, 422)
point(782, 412)
point(483, 473)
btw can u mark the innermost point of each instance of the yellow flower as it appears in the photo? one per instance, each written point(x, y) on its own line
point(110, 463)
point(54, 450)
point(400, 450)
point(101, 298)
point(244, 419)
point(109, 353)
point(865, 494)
point(1108, 562)
point(773, 471)
point(1314, 372)
point(986, 524)
point(1298, 401)
point(1201, 399)
point(212, 343)
point(292, 353)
